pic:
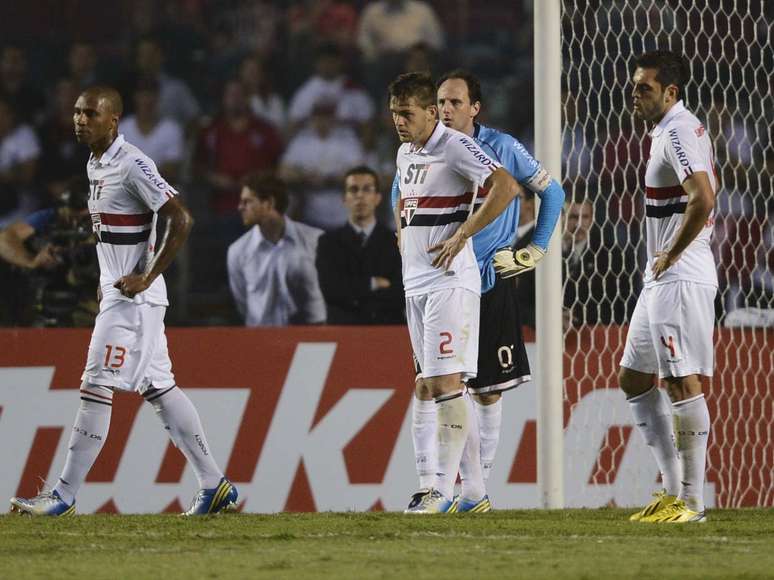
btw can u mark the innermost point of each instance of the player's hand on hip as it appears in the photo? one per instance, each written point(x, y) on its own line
point(132, 284)
point(509, 263)
point(448, 249)
point(664, 261)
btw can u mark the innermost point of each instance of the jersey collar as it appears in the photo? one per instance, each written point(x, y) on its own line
point(676, 109)
point(111, 152)
point(435, 136)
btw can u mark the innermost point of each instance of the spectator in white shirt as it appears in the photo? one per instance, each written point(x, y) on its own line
point(160, 138)
point(176, 100)
point(19, 152)
point(271, 268)
point(329, 84)
point(314, 163)
point(392, 26)
point(265, 103)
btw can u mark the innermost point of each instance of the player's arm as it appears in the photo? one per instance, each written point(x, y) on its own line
point(13, 240)
point(503, 189)
point(701, 202)
point(395, 199)
point(176, 222)
point(13, 250)
point(236, 279)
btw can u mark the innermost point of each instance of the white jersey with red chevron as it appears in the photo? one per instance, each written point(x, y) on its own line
point(436, 183)
point(680, 147)
point(126, 192)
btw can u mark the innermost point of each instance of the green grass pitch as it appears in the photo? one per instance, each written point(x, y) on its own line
point(591, 544)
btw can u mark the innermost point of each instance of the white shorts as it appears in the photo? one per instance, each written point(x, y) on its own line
point(443, 326)
point(671, 331)
point(128, 348)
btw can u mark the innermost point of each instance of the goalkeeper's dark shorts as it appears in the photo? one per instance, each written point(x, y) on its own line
point(502, 358)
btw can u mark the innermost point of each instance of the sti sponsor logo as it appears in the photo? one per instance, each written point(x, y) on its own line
point(477, 153)
point(152, 177)
point(682, 156)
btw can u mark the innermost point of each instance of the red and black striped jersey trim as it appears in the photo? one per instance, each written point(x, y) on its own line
point(665, 211)
point(664, 192)
point(435, 219)
point(127, 219)
point(124, 238)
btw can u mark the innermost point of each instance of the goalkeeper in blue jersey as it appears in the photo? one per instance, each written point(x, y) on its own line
point(502, 358)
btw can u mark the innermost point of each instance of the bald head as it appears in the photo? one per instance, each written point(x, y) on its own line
point(107, 97)
point(96, 114)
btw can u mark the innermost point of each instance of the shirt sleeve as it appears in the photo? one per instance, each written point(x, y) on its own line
point(144, 181)
point(683, 152)
point(236, 280)
point(530, 173)
point(395, 191)
point(41, 220)
point(465, 157)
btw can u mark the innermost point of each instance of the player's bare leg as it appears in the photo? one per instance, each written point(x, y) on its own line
point(653, 418)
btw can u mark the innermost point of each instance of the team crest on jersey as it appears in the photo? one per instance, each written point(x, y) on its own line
point(409, 208)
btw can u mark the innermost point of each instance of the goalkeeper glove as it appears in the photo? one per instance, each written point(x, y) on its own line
point(509, 263)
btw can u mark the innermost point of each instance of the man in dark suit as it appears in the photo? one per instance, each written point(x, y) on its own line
point(359, 264)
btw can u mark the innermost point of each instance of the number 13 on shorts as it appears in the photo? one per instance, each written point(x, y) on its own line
point(115, 356)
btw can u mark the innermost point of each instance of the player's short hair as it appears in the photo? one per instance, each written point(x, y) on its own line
point(268, 186)
point(364, 170)
point(112, 96)
point(471, 80)
point(672, 68)
point(416, 85)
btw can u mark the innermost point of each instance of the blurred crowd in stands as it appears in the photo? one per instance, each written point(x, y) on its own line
point(218, 92)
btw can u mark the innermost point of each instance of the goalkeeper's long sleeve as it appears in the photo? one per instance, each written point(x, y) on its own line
point(551, 202)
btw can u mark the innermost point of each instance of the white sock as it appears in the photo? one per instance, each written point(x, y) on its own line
point(489, 419)
point(692, 426)
point(452, 433)
point(89, 433)
point(654, 421)
point(473, 487)
point(423, 433)
point(180, 418)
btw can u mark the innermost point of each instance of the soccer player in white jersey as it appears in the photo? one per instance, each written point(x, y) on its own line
point(128, 349)
point(670, 333)
point(502, 357)
point(440, 173)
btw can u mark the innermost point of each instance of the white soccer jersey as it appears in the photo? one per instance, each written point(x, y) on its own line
point(126, 192)
point(680, 147)
point(437, 182)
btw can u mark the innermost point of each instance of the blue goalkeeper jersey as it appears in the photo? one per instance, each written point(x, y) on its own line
point(500, 233)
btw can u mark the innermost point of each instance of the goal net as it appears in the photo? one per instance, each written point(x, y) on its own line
point(728, 45)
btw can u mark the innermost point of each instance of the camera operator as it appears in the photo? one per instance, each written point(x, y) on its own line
point(54, 248)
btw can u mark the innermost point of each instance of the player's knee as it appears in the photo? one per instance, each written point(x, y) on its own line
point(422, 391)
point(681, 388)
point(487, 398)
point(95, 396)
point(634, 383)
point(442, 387)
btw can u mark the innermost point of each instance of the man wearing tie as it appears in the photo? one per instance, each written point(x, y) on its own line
point(359, 264)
